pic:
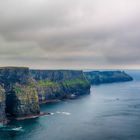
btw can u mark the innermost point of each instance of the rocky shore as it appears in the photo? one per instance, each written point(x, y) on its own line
point(32, 116)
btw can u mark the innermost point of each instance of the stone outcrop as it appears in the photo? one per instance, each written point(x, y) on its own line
point(100, 77)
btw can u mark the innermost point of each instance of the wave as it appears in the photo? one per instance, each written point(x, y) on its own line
point(10, 128)
point(65, 113)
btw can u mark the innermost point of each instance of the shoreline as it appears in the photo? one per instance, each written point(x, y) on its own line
point(50, 101)
point(32, 116)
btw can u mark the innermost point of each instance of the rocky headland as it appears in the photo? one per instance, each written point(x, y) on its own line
point(101, 77)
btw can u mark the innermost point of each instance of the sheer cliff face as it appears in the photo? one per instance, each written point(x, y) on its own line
point(2, 104)
point(99, 77)
point(56, 75)
point(25, 101)
point(9, 76)
point(59, 84)
point(21, 99)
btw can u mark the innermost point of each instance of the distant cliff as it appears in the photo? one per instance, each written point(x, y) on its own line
point(100, 77)
point(59, 84)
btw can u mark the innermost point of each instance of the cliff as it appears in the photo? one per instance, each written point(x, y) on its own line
point(21, 89)
point(21, 100)
point(59, 84)
point(2, 104)
point(99, 77)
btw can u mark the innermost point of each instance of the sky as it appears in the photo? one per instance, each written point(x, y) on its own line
point(70, 34)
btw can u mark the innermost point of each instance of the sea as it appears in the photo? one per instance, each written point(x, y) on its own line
point(109, 112)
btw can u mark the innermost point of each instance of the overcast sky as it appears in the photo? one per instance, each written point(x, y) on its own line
point(74, 34)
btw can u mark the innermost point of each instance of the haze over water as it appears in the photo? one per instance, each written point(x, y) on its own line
point(110, 112)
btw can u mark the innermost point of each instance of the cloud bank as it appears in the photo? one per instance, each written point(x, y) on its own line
point(70, 33)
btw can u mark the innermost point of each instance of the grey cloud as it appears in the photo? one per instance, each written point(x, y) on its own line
point(70, 34)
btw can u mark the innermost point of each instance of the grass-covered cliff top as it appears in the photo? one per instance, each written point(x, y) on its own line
point(42, 83)
point(77, 81)
point(72, 82)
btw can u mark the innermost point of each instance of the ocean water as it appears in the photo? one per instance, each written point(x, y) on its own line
point(110, 112)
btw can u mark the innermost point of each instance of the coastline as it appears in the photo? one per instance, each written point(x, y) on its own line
point(32, 116)
point(49, 101)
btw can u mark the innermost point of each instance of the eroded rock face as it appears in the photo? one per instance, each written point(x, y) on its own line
point(2, 104)
point(59, 84)
point(21, 99)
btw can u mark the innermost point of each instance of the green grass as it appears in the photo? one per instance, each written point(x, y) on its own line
point(18, 89)
point(67, 83)
point(46, 83)
point(75, 82)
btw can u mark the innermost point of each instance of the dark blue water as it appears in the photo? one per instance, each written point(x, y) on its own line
point(110, 112)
